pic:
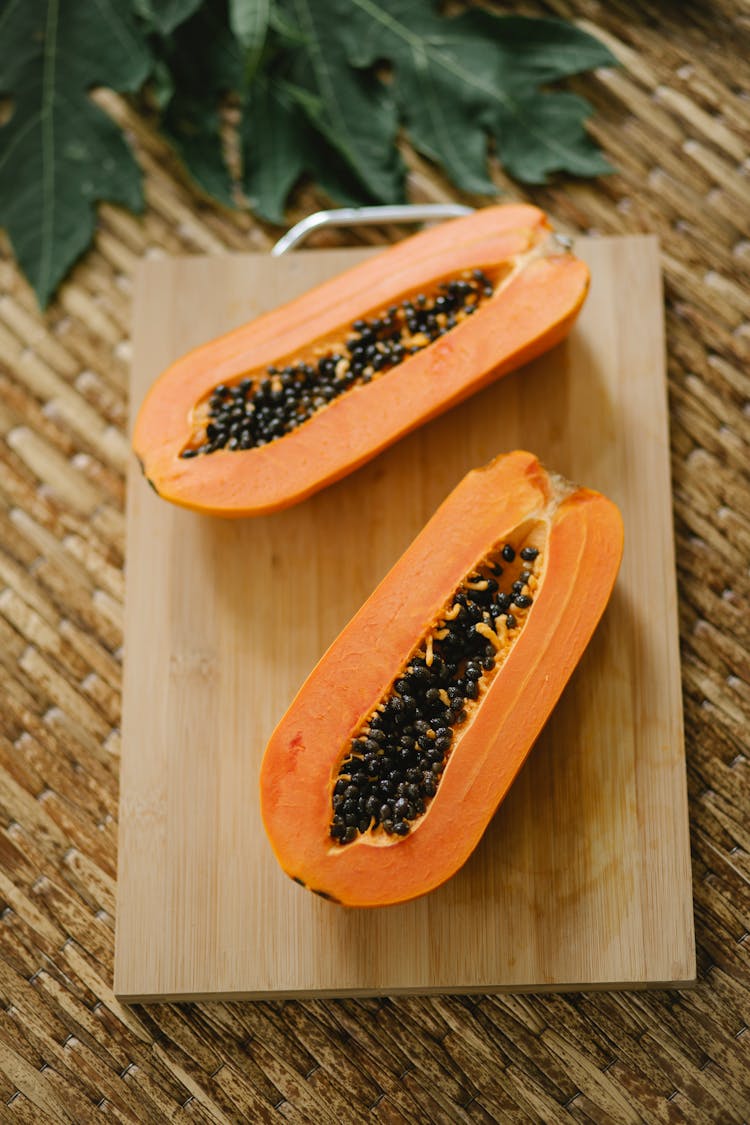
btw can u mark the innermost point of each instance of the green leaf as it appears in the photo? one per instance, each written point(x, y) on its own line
point(352, 109)
point(165, 15)
point(205, 62)
point(279, 146)
point(59, 153)
point(162, 84)
point(333, 83)
point(272, 148)
point(532, 52)
point(556, 123)
point(458, 80)
point(248, 20)
point(287, 32)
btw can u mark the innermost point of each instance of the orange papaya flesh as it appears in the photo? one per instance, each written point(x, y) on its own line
point(536, 293)
point(330, 754)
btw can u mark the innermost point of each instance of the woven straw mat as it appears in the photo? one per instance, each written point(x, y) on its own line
point(674, 119)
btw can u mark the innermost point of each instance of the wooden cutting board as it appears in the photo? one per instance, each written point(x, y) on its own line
point(583, 877)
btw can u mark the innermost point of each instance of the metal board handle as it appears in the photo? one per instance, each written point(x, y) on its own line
point(356, 216)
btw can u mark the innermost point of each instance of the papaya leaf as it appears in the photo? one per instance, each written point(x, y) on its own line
point(273, 138)
point(323, 86)
point(165, 15)
point(351, 109)
point(287, 31)
point(205, 62)
point(60, 153)
point(455, 84)
point(279, 147)
point(458, 81)
point(248, 20)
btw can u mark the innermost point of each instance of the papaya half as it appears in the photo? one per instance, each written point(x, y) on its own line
point(380, 779)
point(265, 415)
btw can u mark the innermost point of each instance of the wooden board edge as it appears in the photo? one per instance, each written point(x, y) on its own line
point(687, 982)
point(652, 247)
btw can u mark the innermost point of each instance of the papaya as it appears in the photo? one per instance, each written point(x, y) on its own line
point(265, 415)
point(380, 779)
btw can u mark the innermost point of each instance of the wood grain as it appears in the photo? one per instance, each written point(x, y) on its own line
point(583, 878)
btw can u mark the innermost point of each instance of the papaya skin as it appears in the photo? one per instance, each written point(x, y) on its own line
point(534, 310)
point(583, 540)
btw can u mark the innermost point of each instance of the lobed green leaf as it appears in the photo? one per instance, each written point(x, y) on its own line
point(59, 153)
point(324, 88)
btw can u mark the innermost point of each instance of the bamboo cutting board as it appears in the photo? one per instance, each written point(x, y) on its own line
point(583, 877)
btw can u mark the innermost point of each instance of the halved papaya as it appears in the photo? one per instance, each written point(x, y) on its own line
point(262, 417)
point(380, 779)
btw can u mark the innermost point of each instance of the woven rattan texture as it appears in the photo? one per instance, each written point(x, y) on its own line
point(675, 120)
